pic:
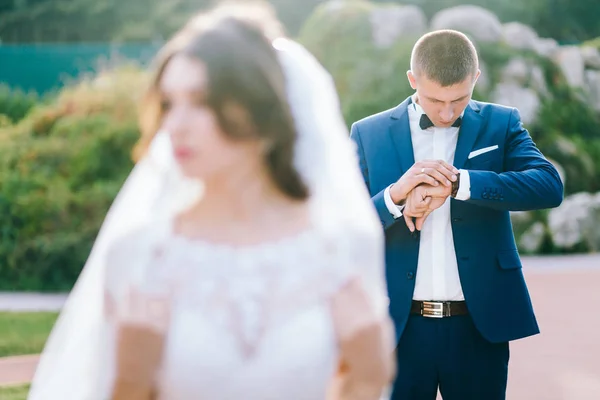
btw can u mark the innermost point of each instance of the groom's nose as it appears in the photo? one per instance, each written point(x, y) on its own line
point(447, 114)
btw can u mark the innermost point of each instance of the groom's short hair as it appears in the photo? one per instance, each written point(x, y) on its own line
point(444, 56)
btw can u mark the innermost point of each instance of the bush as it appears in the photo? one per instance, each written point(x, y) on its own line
point(15, 104)
point(60, 169)
point(368, 80)
point(568, 131)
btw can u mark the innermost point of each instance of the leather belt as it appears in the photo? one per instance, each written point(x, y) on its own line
point(438, 309)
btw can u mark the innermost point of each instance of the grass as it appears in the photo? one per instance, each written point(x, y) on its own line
point(14, 392)
point(24, 333)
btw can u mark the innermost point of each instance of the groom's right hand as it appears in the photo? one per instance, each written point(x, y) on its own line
point(431, 172)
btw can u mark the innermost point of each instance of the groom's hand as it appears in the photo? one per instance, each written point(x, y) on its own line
point(429, 172)
point(422, 201)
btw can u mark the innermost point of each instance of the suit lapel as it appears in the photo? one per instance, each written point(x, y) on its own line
point(400, 133)
point(469, 130)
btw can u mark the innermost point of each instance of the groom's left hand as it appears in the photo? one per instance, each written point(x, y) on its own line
point(438, 195)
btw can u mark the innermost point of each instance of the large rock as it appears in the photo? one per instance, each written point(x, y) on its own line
point(529, 232)
point(520, 36)
point(515, 71)
point(526, 100)
point(524, 73)
point(546, 47)
point(571, 62)
point(532, 239)
point(333, 6)
point(390, 22)
point(523, 37)
point(560, 169)
point(483, 82)
point(576, 221)
point(591, 57)
point(477, 22)
point(538, 80)
point(592, 83)
point(521, 221)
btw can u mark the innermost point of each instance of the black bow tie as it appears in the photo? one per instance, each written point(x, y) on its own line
point(425, 122)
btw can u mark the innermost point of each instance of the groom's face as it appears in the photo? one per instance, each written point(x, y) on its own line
point(442, 104)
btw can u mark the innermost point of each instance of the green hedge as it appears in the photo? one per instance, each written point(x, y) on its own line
point(60, 169)
point(15, 104)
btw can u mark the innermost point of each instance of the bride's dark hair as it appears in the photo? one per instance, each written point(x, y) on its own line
point(246, 88)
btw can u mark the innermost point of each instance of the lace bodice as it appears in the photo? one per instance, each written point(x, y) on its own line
point(242, 300)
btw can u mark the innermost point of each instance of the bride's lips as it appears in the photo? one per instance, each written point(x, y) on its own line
point(182, 153)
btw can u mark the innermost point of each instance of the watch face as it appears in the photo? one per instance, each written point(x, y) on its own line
point(455, 185)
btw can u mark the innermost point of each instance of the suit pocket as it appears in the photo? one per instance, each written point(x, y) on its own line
point(485, 158)
point(509, 259)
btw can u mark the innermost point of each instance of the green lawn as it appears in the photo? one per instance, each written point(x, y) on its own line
point(24, 333)
point(14, 392)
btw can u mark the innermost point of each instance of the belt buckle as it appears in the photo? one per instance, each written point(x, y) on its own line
point(432, 309)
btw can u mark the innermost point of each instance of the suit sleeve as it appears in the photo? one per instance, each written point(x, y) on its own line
point(530, 181)
point(386, 218)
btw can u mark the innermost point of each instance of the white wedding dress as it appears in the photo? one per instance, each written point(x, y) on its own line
point(251, 322)
point(247, 322)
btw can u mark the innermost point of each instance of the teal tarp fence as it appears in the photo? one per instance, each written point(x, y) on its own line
point(46, 67)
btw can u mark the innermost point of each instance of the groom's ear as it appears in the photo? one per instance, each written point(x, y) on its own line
point(476, 77)
point(411, 79)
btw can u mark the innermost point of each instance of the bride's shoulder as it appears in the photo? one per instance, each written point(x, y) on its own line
point(131, 248)
point(127, 257)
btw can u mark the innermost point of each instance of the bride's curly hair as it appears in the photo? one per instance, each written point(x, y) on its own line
point(246, 88)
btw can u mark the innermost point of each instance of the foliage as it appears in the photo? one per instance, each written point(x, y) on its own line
point(60, 169)
point(564, 20)
point(567, 130)
point(27, 21)
point(366, 78)
point(15, 104)
point(115, 20)
point(593, 43)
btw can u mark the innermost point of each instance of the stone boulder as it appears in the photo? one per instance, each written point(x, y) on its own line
point(526, 100)
point(546, 47)
point(480, 24)
point(532, 239)
point(390, 22)
point(520, 36)
point(592, 83)
point(525, 73)
point(484, 81)
point(521, 221)
point(560, 169)
point(523, 37)
point(571, 62)
point(576, 221)
point(591, 57)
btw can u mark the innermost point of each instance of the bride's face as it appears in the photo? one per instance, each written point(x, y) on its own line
point(202, 149)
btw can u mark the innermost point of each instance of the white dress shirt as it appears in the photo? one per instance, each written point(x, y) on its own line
point(437, 270)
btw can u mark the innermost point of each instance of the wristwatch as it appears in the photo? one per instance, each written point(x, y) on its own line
point(455, 186)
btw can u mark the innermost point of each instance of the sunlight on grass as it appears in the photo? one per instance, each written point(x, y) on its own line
point(24, 333)
point(14, 392)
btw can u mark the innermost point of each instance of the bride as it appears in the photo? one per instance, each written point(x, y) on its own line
point(242, 258)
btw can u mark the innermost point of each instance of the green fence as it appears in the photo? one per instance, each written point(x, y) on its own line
point(46, 67)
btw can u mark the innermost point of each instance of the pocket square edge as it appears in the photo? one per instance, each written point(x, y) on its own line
point(479, 152)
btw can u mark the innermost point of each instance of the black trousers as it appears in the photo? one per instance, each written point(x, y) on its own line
point(451, 354)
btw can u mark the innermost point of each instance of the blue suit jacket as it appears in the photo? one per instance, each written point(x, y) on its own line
point(514, 177)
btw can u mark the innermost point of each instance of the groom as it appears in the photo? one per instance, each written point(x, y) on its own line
point(443, 172)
